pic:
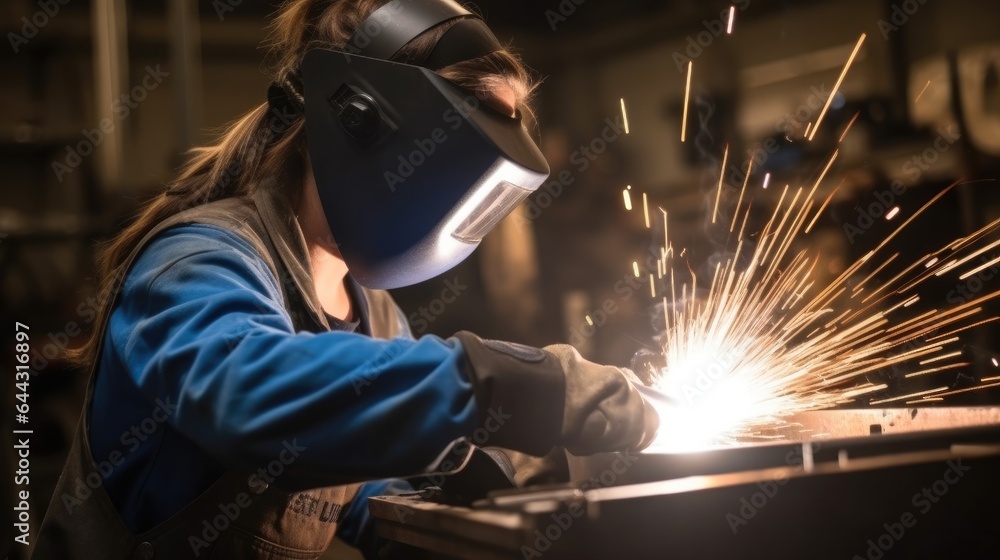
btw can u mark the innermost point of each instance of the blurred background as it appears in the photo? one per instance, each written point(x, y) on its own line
point(101, 99)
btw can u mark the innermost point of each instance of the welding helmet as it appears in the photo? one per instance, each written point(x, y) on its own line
point(412, 170)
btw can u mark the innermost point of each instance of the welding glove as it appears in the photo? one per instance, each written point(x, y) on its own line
point(533, 399)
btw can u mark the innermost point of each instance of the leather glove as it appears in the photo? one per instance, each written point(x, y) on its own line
point(603, 410)
point(533, 399)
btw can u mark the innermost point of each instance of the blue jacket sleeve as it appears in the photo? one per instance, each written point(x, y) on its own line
point(204, 328)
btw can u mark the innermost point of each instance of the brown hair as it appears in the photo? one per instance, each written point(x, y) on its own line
point(248, 150)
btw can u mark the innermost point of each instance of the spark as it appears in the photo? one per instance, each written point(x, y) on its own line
point(742, 192)
point(808, 128)
point(652, 286)
point(942, 357)
point(635, 268)
point(836, 86)
point(764, 344)
point(969, 389)
point(957, 263)
point(666, 240)
point(767, 180)
point(722, 178)
point(864, 391)
point(732, 17)
point(625, 116)
point(935, 370)
point(921, 94)
point(823, 207)
point(910, 396)
point(848, 128)
point(645, 208)
point(995, 362)
point(589, 320)
point(687, 101)
point(628, 199)
point(979, 269)
point(892, 213)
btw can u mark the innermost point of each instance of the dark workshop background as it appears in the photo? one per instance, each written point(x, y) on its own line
point(925, 89)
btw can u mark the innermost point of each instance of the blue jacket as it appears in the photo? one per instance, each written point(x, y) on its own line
point(201, 371)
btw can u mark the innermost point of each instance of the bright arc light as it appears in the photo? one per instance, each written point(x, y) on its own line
point(757, 338)
point(714, 392)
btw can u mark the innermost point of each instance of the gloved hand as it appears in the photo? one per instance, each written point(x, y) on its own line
point(603, 410)
point(533, 399)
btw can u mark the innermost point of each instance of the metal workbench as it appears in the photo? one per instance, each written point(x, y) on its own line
point(913, 490)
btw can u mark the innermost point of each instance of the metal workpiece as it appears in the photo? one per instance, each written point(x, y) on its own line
point(917, 489)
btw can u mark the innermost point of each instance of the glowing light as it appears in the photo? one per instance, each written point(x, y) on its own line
point(921, 94)
point(732, 17)
point(687, 100)
point(942, 357)
point(836, 87)
point(635, 268)
point(589, 320)
point(762, 344)
point(767, 180)
point(910, 396)
point(892, 213)
point(628, 199)
point(625, 116)
point(995, 362)
point(979, 269)
point(645, 208)
point(823, 207)
point(743, 191)
point(722, 178)
point(849, 125)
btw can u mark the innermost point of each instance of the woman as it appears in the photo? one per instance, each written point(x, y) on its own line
point(243, 381)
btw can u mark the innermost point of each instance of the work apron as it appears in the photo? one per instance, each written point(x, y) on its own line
point(241, 516)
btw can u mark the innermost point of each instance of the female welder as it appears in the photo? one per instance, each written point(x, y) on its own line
point(248, 373)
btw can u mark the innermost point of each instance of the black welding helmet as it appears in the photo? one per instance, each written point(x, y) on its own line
point(412, 170)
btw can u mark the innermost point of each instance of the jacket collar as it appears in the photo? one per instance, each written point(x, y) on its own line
point(282, 225)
